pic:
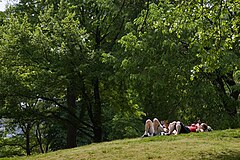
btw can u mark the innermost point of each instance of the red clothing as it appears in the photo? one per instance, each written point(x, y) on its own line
point(193, 128)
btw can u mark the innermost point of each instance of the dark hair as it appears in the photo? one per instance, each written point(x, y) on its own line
point(204, 126)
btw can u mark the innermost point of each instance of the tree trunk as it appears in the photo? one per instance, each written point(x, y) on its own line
point(97, 110)
point(71, 128)
point(232, 108)
point(97, 118)
point(228, 101)
point(27, 134)
point(39, 138)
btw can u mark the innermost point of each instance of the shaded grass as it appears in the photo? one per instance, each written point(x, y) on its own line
point(223, 145)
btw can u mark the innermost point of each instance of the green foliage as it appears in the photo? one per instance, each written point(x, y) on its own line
point(124, 123)
point(176, 43)
point(124, 127)
point(8, 150)
point(154, 57)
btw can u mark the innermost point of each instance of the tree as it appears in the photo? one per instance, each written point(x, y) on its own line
point(219, 52)
point(171, 41)
point(37, 66)
point(60, 53)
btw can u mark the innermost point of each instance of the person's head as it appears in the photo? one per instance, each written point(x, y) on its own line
point(203, 127)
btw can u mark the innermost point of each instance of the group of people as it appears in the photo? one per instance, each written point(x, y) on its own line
point(156, 127)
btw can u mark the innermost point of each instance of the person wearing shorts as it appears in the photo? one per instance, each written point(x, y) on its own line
point(154, 127)
point(177, 127)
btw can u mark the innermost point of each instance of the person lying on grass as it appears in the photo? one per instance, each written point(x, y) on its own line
point(154, 127)
point(200, 127)
point(177, 127)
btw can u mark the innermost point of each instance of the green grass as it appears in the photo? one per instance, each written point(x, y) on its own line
point(223, 145)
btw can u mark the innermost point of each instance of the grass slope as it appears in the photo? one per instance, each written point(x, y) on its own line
point(223, 145)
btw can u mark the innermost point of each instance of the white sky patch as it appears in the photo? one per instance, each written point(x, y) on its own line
point(4, 3)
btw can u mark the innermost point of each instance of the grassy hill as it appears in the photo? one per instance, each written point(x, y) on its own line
point(223, 145)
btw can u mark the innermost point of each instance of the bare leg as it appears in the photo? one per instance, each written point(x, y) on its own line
point(148, 128)
point(158, 128)
point(178, 127)
point(171, 127)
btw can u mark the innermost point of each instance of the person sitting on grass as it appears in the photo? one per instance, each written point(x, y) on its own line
point(154, 127)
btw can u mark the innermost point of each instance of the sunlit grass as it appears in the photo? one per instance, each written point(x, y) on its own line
point(194, 146)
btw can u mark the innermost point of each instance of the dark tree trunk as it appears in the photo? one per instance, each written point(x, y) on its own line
point(94, 109)
point(39, 138)
point(97, 110)
point(232, 108)
point(97, 118)
point(27, 134)
point(228, 101)
point(71, 128)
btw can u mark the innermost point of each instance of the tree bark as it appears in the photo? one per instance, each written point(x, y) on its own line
point(234, 94)
point(71, 128)
point(39, 138)
point(228, 101)
point(97, 118)
point(97, 110)
point(27, 134)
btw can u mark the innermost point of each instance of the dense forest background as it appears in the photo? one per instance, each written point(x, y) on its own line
point(75, 72)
